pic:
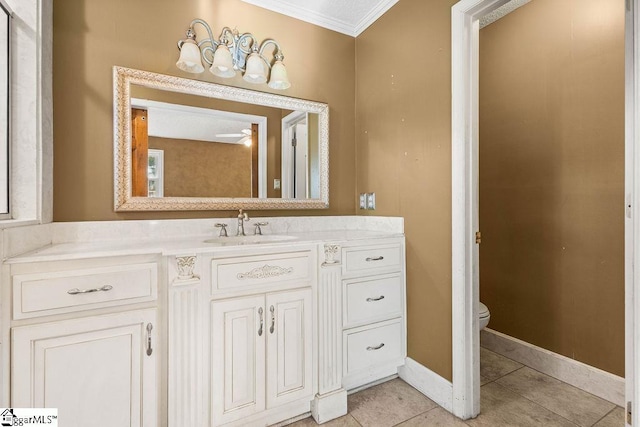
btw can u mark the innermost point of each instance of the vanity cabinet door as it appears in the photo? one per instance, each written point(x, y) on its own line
point(239, 330)
point(289, 346)
point(95, 370)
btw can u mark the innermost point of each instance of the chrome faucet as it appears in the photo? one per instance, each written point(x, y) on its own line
point(242, 217)
point(258, 228)
point(223, 229)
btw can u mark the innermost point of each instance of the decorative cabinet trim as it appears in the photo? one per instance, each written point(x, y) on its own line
point(272, 271)
point(331, 255)
point(264, 272)
point(186, 379)
point(329, 330)
point(185, 265)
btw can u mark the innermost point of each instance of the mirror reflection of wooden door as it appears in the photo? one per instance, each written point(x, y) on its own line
point(139, 153)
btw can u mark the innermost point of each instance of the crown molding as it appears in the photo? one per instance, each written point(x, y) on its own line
point(380, 9)
point(501, 12)
point(329, 21)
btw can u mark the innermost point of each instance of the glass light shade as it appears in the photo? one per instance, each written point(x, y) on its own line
point(222, 63)
point(255, 69)
point(190, 60)
point(279, 79)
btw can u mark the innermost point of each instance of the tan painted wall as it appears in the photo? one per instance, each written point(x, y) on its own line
point(204, 169)
point(403, 137)
point(403, 124)
point(90, 37)
point(552, 177)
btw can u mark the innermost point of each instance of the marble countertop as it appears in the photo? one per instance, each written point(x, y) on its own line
point(188, 245)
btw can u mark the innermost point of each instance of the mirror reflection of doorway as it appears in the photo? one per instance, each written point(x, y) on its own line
point(206, 153)
point(295, 156)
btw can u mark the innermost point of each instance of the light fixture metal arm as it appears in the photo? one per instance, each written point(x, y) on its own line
point(245, 44)
point(277, 51)
point(213, 43)
point(232, 52)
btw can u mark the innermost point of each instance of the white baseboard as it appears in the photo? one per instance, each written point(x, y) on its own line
point(428, 383)
point(592, 380)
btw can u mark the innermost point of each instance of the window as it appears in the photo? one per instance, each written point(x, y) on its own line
point(5, 99)
point(30, 146)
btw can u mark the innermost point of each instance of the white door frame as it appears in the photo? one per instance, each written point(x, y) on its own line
point(465, 17)
point(632, 196)
point(287, 152)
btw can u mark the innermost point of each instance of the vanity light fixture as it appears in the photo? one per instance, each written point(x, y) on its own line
point(233, 52)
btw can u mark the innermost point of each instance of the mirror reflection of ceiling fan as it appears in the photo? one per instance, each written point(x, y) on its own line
point(244, 133)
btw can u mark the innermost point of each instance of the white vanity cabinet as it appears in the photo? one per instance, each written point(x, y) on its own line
point(89, 343)
point(261, 353)
point(247, 318)
point(361, 319)
point(91, 369)
point(373, 311)
point(202, 332)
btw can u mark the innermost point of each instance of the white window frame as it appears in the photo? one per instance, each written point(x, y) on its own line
point(31, 137)
point(159, 178)
point(4, 148)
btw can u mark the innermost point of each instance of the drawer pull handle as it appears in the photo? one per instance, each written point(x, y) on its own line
point(273, 319)
point(377, 347)
point(260, 312)
point(381, 297)
point(378, 258)
point(76, 291)
point(149, 349)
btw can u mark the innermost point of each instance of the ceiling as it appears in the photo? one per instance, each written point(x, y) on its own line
point(349, 17)
point(193, 123)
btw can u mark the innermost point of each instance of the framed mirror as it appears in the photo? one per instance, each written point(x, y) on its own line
point(182, 144)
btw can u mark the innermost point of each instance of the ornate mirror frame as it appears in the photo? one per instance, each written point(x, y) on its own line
point(123, 78)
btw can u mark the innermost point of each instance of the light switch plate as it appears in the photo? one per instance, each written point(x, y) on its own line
point(371, 201)
point(363, 201)
point(276, 184)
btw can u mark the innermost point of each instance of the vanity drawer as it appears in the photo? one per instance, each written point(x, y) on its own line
point(364, 259)
point(372, 299)
point(260, 270)
point(368, 348)
point(46, 293)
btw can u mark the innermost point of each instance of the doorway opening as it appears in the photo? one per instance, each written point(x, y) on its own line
point(466, 16)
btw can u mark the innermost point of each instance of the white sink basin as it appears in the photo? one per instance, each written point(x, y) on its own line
point(250, 240)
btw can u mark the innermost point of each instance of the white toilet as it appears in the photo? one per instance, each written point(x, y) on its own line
point(484, 315)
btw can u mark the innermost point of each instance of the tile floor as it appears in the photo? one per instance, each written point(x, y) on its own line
point(511, 395)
